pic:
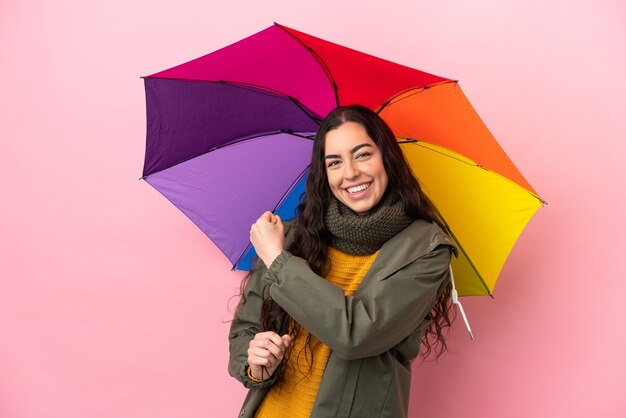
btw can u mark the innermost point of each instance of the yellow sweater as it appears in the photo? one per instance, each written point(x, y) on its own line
point(294, 396)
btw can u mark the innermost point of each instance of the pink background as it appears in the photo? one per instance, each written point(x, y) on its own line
point(113, 304)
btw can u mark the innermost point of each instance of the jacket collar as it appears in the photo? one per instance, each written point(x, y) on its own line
point(416, 240)
point(413, 242)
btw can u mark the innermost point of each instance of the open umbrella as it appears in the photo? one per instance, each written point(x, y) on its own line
point(229, 136)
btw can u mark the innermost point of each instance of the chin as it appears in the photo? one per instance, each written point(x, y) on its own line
point(361, 208)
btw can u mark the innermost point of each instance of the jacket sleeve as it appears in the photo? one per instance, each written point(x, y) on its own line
point(244, 327)
point(373, 320)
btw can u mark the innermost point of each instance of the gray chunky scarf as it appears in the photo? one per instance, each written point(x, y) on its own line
point(364, 234)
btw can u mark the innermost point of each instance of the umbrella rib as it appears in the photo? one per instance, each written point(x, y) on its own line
point(416, 90)
point(257, 88)
point(319, 60)
point(462, 249)
point(291, 187)
point(314, 117)
point(190, 218)
point(473, 164)
point(280, 202)
point(233, 142)
point(234, 267)
point(403, 95)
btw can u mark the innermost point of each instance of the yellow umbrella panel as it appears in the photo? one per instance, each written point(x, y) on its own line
point(485, 211)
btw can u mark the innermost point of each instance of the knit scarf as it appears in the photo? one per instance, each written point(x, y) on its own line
point(364, 234)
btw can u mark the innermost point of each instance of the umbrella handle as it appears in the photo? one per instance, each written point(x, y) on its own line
point(455, 301)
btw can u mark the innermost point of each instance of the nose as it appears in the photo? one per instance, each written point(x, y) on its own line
point(351, 170)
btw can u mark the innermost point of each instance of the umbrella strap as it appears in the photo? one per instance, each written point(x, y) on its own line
point(455, 301)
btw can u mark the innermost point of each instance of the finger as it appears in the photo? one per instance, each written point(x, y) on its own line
point(278, 220)
point(267, 217)
point(262, 353)
point(274, 344)
point(261, 344)
point(259, 352)
point(267, 343)
point(266, 335)
point(275, 350)
point(286, 340)
point(255, 361)
point(270, 341)
point(280, 226)
point(275, 339)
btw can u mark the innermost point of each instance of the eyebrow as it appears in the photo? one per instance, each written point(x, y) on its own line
point(352, 151)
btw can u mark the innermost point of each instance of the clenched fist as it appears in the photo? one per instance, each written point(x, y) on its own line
point(267, 237)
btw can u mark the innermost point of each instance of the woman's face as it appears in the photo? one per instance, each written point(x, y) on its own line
point(354, 166)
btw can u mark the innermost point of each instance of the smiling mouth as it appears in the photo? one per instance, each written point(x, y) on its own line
point(359, 188)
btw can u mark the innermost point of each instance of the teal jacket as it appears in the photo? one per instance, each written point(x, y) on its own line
point(373, 335)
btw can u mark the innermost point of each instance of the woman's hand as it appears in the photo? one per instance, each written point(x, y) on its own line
point(267, 235)
point(267, 349)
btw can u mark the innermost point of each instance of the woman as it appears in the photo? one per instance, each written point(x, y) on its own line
point(341, 298)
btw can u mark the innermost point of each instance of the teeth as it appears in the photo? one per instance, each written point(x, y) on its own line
point(357, 189)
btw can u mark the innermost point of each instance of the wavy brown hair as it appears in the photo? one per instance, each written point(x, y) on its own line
point(312, 238)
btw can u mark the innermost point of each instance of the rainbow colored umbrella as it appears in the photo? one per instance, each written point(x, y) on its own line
point(229, 137)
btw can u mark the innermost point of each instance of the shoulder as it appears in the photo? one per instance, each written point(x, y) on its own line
point(418, 239)
point(422, 231)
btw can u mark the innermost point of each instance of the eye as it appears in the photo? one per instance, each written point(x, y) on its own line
point(363, 154)
point(333, 163)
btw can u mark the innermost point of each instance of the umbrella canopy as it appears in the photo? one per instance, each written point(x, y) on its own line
point(229, 137)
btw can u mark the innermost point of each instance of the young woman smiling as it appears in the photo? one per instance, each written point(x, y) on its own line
point(347, 295)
